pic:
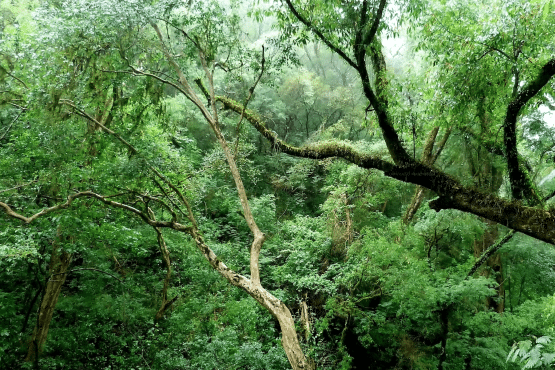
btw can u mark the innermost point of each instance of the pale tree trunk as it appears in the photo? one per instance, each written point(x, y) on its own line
point(166, 257)
point(305, 318)
point(252, 286)
point(429, 159)
point(59, 263)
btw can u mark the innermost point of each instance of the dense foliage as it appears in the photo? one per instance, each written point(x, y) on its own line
point(180, 179)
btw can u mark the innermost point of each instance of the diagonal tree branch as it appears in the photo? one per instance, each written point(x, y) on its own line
point(489, 252)
point(521, 185)
point(534, 222)
point(320, 35)
point(369, 37)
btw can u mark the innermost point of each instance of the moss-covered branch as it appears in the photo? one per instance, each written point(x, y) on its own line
point(537, 223)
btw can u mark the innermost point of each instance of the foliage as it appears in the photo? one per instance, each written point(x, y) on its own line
point(91, 102)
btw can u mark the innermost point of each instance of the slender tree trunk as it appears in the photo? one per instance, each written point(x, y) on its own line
point(59, 263)
point(494, 264)
point(428, 158)
point(444, 319)
point(166, 257)
point(305, 318)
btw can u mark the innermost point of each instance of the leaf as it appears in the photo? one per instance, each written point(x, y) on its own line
point(543, 340)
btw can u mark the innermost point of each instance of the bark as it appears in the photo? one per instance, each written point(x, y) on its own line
point(521, 185)
point(59, 263)
point(277, 309)
point(537, 223)
point(305, 318)
point(252, 286)
point(428, 158)
point(489, 252)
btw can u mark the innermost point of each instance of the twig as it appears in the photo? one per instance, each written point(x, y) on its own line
point(91, 269)
point(18, 186)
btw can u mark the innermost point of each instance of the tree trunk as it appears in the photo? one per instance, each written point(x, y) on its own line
point(493, 263)
point(429, 159)
point(166, 257)
point(305, 318)
point(59, 263)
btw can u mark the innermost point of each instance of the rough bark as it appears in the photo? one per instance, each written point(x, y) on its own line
point(59, 263)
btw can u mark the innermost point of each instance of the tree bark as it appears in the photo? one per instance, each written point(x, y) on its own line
point(537, 223)
point(59, 263)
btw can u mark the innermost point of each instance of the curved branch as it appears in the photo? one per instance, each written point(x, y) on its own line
point(104, 199)
point(318, 151)
point(320, 35)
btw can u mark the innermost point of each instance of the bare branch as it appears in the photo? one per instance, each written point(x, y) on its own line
point(18, 186)
point(320, 35)
point(251, 91)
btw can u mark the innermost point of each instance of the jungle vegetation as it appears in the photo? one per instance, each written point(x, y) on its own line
point(245, 184)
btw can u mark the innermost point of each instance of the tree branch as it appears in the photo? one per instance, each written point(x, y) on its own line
point(537, 223)
point(18, 186)
point(521, 185)
point(369, 37)
point(489, 252)
point(320, 35)
point(247, 100)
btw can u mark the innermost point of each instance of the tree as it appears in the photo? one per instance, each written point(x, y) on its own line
point(359, 43)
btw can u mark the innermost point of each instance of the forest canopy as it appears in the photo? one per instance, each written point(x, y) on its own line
point(298, 184)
